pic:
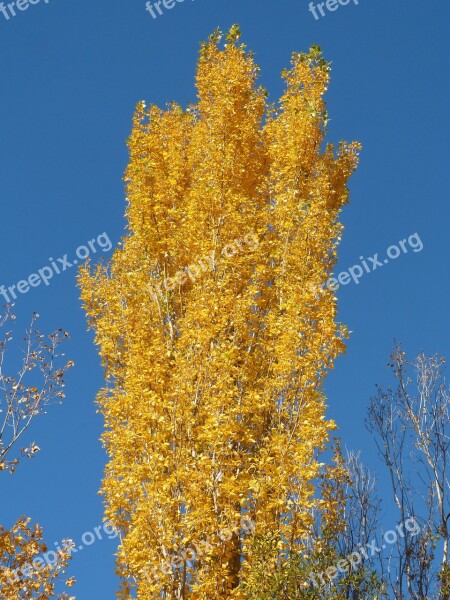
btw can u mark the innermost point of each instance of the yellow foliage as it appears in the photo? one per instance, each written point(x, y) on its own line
point(20, 577)
point(214, 340)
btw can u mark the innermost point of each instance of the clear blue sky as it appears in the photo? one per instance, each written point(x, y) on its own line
point(71, 75)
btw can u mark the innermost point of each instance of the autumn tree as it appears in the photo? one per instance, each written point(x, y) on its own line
point(24, 396)
point(213, 329)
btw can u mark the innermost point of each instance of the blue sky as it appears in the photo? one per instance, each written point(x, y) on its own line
point(72, 74)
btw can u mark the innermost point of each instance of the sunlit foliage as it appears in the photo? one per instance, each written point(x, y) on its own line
point(212, 328)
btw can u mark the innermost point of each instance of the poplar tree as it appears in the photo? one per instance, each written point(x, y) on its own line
point(213, 330)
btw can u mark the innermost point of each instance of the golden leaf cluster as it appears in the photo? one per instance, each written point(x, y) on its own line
point(23, 574)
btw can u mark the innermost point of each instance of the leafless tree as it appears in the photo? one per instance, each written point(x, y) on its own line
point(411, 427)
point(362, 510)
point(38, 382)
